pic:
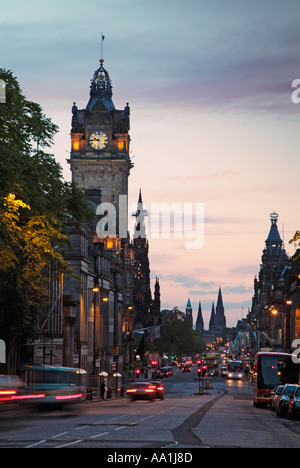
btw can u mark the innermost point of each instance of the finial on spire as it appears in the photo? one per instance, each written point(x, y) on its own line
point(274, 217)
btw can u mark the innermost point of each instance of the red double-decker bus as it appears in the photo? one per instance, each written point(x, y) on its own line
point(271, 369)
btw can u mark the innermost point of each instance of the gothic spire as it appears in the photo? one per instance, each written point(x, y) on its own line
point(220, 315)
point(212, 318)
point(140, 215)
point(199, 321)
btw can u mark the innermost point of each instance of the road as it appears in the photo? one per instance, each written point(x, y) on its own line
point(223, 416)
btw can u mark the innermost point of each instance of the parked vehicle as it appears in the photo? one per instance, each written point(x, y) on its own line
point(275, 396)
point(272, 369)
point(293, 410)
point(283, 402)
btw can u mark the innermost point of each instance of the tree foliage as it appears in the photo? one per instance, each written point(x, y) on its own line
point(296, 239)
point(177, 336)
point(36, 207)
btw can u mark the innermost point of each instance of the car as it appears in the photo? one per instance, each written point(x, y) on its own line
point(159, 388)
point(283, 401)
point(165, 371)
point(223, 371)
point(293, 410)
point(275, 396)
point(141, 391)
point(186, 368)
point(11, 388)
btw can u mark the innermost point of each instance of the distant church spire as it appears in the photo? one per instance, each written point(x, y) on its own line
point(212, 318)
point(220, 315)
point(199, 321)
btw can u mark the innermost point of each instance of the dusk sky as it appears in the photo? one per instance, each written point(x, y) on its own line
point(209, 84)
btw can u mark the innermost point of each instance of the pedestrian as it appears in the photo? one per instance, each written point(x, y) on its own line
point(102, 390)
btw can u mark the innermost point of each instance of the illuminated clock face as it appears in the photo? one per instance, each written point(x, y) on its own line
point(98, 140)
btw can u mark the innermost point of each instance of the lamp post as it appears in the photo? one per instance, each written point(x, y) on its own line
point(288, 325)
point(95, 290)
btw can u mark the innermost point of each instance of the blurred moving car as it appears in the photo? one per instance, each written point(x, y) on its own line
point(11, 388)
point(159, 389)
point(275, 396)
point(284, 399)
point(50, 385)
point(141, 391)
point(293, 410)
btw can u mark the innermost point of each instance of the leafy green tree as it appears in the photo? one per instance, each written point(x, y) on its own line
point(177, 336)
point(36, 208)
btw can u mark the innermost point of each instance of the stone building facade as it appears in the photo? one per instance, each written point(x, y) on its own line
point(275, 313)
point(99, 307)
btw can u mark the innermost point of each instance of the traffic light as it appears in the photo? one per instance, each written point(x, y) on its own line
point(204, 370)
point(199, 372)
point(137, 373)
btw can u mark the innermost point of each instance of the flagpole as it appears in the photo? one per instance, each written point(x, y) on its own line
point(102, 39)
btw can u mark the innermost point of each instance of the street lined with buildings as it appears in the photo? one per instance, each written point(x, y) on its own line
point(223, 416)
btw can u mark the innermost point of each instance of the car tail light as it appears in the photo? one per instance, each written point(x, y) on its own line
point(131, 390)
point(160, 388)
point(7, 392)
point(28, 397)
point(68, 397)
point(149, 390)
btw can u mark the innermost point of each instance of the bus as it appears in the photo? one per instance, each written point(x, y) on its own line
point(234, 370)
point(271, 369)
point(55, 385)
point(212, 362)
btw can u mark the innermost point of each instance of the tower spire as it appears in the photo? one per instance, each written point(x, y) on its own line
point(220, 315)
point(199, 321)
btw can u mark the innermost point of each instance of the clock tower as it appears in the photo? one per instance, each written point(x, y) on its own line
point(100, 144)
